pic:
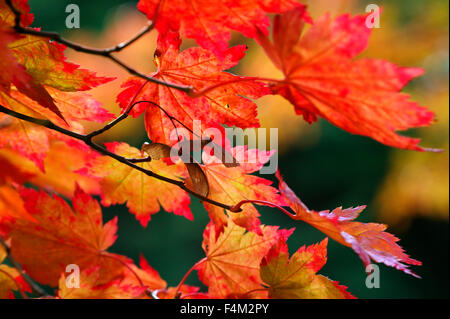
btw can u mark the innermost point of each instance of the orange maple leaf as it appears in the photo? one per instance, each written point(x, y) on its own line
point(65, 158)
point(296, 278)
point(63, 236)
point(144, 274)
point(30, 63)
point(369, 241)
point(91, 287)
point(10, 279)
point(143, 194)
point(231, 266)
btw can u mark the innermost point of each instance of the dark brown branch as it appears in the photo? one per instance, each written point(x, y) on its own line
point(101, 52)
point(140, 160)
point(87, 139)
point(35, 287)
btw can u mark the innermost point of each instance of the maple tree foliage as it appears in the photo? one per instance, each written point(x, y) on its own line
point(51, 170)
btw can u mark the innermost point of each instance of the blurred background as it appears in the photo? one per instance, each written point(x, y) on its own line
point(325, 166)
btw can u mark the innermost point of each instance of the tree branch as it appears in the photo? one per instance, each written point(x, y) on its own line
point(101, 52)
point(87, 139)
point(35, 287)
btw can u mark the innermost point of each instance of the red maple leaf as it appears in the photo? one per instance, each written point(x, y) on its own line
point(229, 103)
point(322, 78)
point(209, 23)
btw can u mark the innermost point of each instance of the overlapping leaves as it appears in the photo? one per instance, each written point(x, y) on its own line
point(244, 259)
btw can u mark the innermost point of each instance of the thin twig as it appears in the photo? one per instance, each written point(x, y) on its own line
point(238, 207)
point(100, 52)
point(35, 287)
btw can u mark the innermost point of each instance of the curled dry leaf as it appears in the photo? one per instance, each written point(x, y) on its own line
point(197, 180)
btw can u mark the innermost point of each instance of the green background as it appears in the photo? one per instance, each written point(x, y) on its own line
point(342, 169)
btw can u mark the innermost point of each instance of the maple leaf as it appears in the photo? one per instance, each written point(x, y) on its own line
point(13, 72)
point(296, 278)
point(46, 62)
point(234, 184)
point(63, 160)
point(11, 204)
point(369, 241)
point(30, 62)
point(74, 106)
point(30, 140)
point(147, 275)
point(322, 79)
point(10, 278)
point(227, 104)
point(144, 194)
point(209, 23)
point(63, 236)
point(231, 266)
point(7, 274)
point(33, 141)
point(91, 287)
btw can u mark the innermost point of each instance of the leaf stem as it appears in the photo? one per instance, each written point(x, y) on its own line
point(238, 206)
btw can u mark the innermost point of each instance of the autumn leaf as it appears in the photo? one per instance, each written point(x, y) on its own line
point(210, 23)
point(31, 63)
point(11, 204)
point(231, 266)
point(196, 181)
point(46, 62)
point(91, 287)
point(62, 165)
point(7, 277)
point(146, 274)
point(229, 103)
point(231, 185)
point(63, 236)
point(13, 72)
point(10, 280)
point(143, 194)
point(369, 241)
point(295, 277)
point(29, 140)
point(322, 79)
